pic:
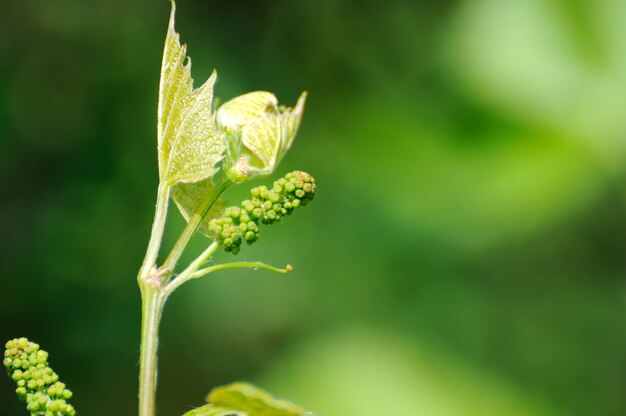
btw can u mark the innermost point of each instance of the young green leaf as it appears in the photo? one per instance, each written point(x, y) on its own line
point(253, 401)
point(190, 145)
point(212, 410)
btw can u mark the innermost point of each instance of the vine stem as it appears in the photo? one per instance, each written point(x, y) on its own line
point(152, 280)
point(153, 297)
point(151, 306)
point(152, 309)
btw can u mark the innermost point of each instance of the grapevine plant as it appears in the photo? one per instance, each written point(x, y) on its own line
point(202, 152)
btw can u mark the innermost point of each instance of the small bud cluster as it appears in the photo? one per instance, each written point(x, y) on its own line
point(266, 206)
point(37, 384)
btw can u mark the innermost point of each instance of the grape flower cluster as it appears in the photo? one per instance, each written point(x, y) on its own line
point(37, 384)
point(267, 206)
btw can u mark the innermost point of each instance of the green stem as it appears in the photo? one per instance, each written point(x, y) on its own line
point(156, 236)
point(194, 271)
point(151, 284)
point(241, 265)
point(152, 308)
point(191, 269)
point(194, 222)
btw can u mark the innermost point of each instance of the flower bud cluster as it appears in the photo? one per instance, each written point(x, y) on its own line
point(267, 206)
point(37, 384)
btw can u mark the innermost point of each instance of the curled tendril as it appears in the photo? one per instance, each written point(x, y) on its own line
point(266, 206)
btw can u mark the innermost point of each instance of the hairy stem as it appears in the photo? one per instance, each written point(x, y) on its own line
point(194, 222)
point(152, 308)
point(151, 281)
point(156, 236)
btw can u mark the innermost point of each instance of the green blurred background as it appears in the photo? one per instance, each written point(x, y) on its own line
point(465, 252)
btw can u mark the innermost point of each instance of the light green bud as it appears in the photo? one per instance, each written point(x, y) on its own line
point(267, 207)
point(36, 383)
point(233, 212)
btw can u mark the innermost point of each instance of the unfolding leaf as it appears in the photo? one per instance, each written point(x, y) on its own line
point(190, 145)
point(189, 196)
point(255, 117)
point(253, 401)
point(290, 119)
point(212, 410)
point(264, 129)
